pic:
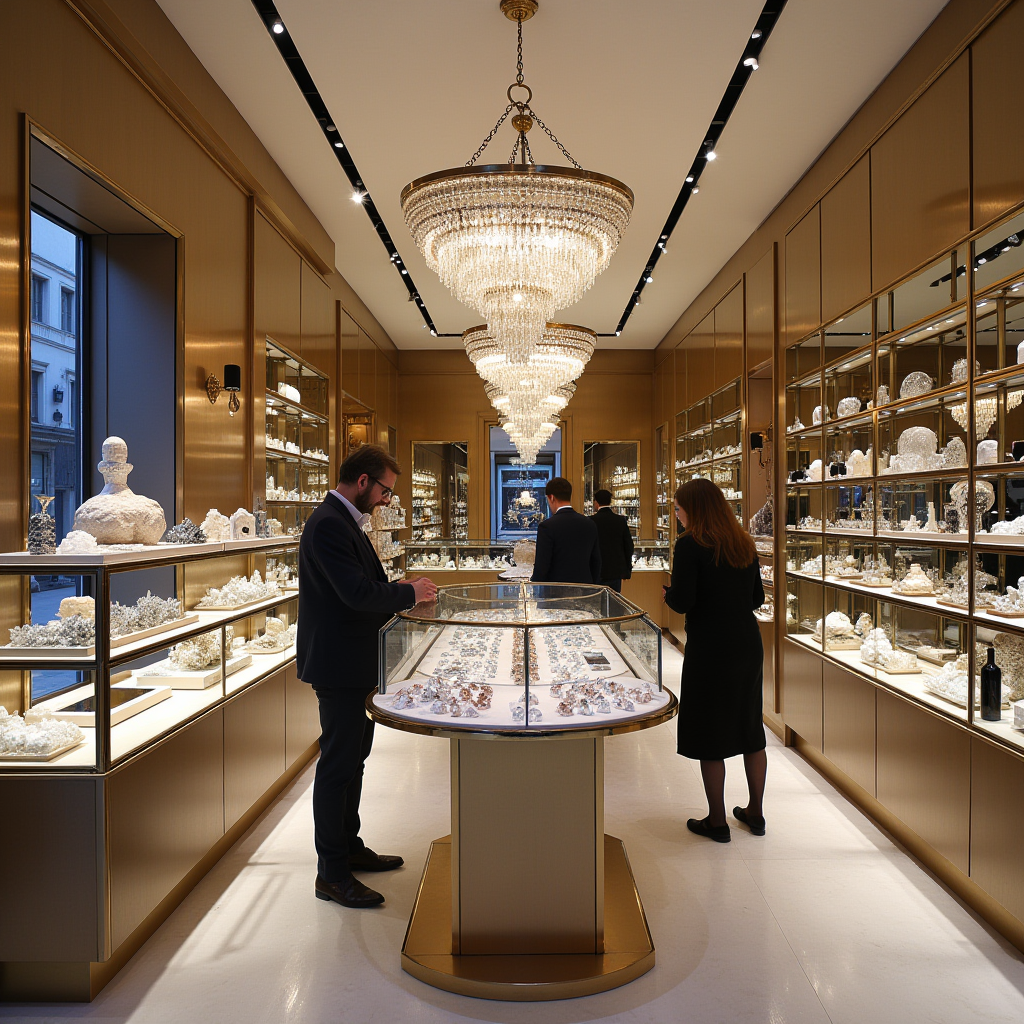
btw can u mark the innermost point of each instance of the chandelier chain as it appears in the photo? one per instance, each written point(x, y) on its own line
point(494, 131)
point(551, 135)
point(519, 52)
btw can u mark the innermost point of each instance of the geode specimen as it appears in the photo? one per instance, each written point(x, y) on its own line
point(117, 515)
point(186, 532)
point(762, 520)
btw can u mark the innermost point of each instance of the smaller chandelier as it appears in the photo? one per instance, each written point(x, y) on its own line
point(561, 356)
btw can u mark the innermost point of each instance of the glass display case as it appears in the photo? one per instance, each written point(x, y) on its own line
point(118, 649)
point(613, 466)
point(449, 553)
point(296, 431)
point(652, 555)
point(509, 657)
point(385, 523)
point(440, 490)
point(663, 485)
point(709, 443)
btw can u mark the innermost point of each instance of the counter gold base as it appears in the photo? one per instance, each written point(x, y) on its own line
point(427, 950)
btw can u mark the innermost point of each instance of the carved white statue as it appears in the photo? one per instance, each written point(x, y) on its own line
point(117, 515)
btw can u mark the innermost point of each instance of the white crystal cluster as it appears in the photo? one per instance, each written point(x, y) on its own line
point(525, 552)
point(240, 590)
point(38, 733)
point(147, 613)
point(198, 652)
point(914, 583)
point(951, 681)
point(277, 636)
point(878, 651)
point(74, 631)
point(1009, 527)
point(216, 526)
point(1012, 600)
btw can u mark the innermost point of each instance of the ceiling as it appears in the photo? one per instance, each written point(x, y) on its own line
point(629, 88)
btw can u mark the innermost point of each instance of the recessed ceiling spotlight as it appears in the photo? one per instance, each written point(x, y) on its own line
point(981, 260)
point(689, 178)
point(278, 27)
point(358, 196)
point(433, 333)
point(756, 34)
point(404, 271)
point(648, 279)
point(694, 190)
point(710, 155)
point(617, 333)
point(751, 62)
point(339, 145)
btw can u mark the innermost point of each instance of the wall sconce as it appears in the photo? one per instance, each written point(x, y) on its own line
point(58, 394)
point(232, 383)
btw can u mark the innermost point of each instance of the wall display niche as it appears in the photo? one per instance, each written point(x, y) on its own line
point(613, 466)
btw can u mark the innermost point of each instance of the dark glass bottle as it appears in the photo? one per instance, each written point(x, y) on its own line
point(991, 689)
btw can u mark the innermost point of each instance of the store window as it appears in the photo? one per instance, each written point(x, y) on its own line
point(35, 395)
point(39, 299)
point(518, 504)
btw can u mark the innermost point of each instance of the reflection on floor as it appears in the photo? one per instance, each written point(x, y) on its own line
point(822, 920)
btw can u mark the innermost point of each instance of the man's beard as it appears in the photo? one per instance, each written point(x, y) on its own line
point(364, 503)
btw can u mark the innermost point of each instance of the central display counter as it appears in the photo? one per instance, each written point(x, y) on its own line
point(527, 899)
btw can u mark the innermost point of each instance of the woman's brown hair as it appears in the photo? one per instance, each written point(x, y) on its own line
point(712, 524)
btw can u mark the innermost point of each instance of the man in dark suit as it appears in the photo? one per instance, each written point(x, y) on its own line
point(344, 599)
point(567, 548)
point(615, 542)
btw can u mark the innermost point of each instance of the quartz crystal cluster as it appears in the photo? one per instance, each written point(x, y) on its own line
point(74, 631)
point(238, 591)
point(1012, 602)
point(147, 613)
point(878, 651)
point(951, 681)
point(277, 636)
point(197, 653)
point(915, 583)
point(186, 532)
point(38, 733)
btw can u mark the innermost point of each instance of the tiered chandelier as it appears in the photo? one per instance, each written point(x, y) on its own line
point(517, 242)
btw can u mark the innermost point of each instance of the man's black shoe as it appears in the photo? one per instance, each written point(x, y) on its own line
point(367, 860)
point(349, 892)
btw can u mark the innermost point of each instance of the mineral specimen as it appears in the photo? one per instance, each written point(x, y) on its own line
point(117, 515)
point(186, 532)
point(217, 527)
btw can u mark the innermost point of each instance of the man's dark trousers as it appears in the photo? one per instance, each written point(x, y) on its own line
point(345, 742)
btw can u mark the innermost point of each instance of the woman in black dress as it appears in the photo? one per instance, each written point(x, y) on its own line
point(716, 583)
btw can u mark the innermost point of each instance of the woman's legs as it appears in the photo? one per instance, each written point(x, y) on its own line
point(756, 767)
point(713, 774)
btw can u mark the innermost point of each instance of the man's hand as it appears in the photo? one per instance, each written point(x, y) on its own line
point(425, 589)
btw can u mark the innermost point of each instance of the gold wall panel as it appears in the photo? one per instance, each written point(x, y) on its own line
point(920, 179)
point(278, 287)
point(367, 370)
point(504, 801)
point(803, 277)
point(164, 812)
point(848, 730)
point(316, 324)
point(679, 394)
point(301, 715)
point(254, 745)
point(53, 832)
point(700, 360)
point(923, 775)
point(349, 355)
point(760, 310)
point(846, 242)
point(997, 828)
point(998, 116)
point(801, 692)
point(729, 337)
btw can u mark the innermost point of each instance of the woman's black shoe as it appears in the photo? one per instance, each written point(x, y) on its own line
point(756, 825)
point(701, 827)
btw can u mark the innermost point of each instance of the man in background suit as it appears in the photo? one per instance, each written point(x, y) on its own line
point(344, 599)
point(615, 542)
point(567, 547)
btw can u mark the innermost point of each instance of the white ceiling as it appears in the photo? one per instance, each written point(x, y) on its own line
point(629, 87)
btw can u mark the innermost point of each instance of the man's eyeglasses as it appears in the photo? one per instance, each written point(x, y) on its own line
point(385, 492)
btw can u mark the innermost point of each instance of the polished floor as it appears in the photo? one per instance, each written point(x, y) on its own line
point(822, 920)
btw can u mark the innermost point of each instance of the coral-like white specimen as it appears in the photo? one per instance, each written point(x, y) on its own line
point(117, 515)
point(147, 613)
point(848, 406)
point(1012, 600)
point(216, 526)
point(198, 652)
point(74, 631)
point(37, 733)
point(238, 591)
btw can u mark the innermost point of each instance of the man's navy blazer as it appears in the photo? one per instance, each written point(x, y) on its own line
point(344, 599)
point(567, 549)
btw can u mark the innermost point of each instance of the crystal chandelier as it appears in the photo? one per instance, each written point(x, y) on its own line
point(559, 358)
point(517, 241)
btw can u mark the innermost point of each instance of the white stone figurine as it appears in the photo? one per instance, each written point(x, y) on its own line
point(216, 526)
point(117, 515)
point(243, 525)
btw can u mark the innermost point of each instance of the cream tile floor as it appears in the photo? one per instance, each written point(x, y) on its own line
point(822, 920)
